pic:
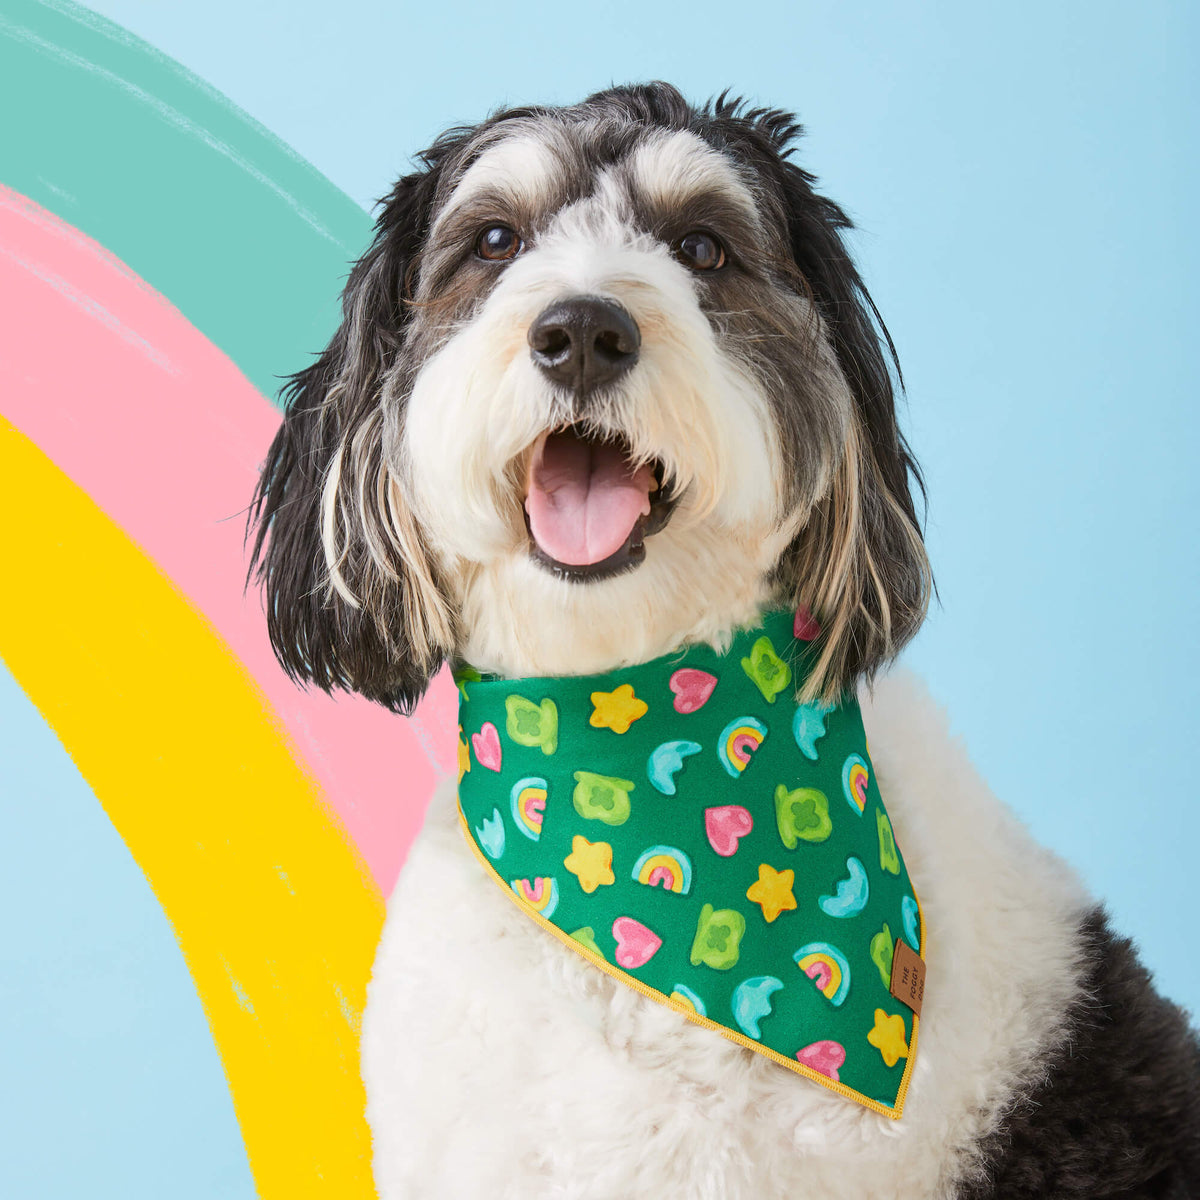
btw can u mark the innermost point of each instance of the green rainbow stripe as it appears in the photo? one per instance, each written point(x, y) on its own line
point(132, 149)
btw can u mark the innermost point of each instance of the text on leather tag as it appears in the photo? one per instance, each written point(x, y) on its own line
point(908, 976)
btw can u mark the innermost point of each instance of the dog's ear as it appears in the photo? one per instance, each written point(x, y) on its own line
point(352, 598)
point(859, 564)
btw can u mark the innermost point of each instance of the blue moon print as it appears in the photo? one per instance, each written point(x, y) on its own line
point(808, 726)
point(852, 892)
point(665, 761)
point(912, 922)
point(491, 834)
point(752, 1002)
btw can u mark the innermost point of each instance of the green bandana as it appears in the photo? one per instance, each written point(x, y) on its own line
point(688, 828)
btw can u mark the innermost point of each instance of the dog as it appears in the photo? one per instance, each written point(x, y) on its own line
point(608, 384)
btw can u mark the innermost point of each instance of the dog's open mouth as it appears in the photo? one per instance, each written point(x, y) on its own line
point(588, 508)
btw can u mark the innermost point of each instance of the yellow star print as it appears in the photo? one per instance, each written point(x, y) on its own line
point(888, 1037)
point(464, 756)
point(773, 891)
point(618, 709)
point(590, 863)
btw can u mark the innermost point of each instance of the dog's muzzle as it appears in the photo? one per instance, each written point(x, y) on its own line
point(588, 505)
point(584, 343)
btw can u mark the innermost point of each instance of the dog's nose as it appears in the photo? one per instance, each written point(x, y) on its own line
point(584, 342)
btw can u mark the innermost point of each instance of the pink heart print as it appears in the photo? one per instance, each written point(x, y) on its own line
point(636, 945)
point(692, 689)
point(823, 1057)
point(487, 747)
point(805, 628)
point(725, 826)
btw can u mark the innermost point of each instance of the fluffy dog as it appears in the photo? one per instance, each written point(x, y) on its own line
point(608, 383)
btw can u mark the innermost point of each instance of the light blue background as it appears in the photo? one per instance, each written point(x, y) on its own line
point(1025, 184)
point(110, 1085)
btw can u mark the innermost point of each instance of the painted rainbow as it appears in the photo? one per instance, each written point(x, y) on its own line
point(738, 741)
point(666, 867)
point(540, 893)
point(827, 967)
point(528, 798)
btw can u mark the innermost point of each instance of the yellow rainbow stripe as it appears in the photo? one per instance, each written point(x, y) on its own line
point(273, 908)
point(816, 965)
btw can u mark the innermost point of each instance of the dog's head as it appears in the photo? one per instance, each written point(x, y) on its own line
point(607, 380)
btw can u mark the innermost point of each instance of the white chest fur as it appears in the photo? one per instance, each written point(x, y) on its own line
point(499, 1065)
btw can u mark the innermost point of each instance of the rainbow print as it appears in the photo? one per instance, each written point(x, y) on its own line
point(738, 741)
point(290, 811)
point(664, 866)
point(540, 893)
point(528, 798)
point(827, 967)
point(856, 775)
point(685, 998)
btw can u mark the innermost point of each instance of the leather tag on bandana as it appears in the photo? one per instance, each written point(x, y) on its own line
point(908, 976)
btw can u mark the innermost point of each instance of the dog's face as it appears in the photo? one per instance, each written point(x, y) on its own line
point(607, 356)
point(607, 380)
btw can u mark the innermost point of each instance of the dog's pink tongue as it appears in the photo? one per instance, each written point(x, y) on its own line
point(584, 498)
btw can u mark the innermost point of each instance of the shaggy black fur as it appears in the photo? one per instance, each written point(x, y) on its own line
point(403, 297)
point(316, 635)
point(1118, 1114)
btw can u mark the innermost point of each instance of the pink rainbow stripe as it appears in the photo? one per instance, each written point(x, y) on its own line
point(165, 434)
point(533, 891)
point(821, 973)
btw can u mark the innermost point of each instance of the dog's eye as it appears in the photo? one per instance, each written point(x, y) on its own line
point(498, 243)
point(700, 251)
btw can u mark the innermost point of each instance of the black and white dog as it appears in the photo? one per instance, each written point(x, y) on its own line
point(608, 383)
